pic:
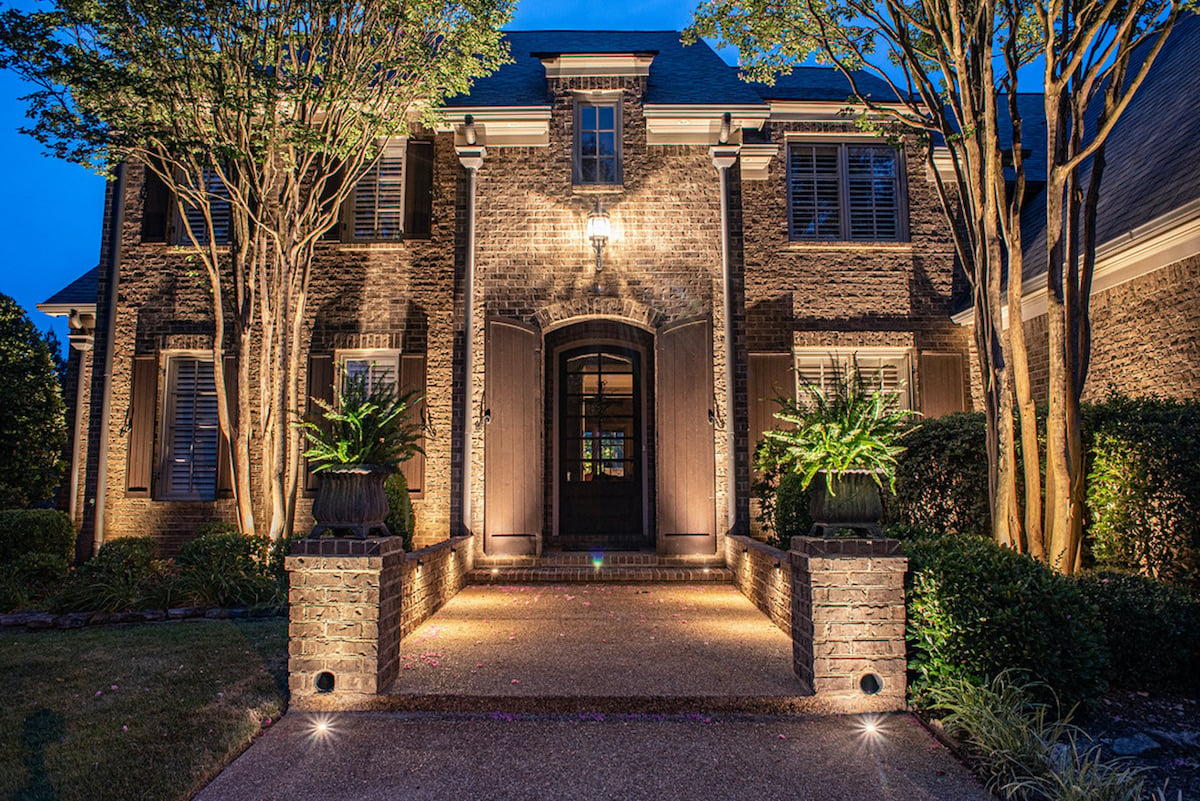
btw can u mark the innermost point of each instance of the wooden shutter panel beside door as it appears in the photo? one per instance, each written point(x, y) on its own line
point(512, 461)
point(143, 400)
point(686, 446)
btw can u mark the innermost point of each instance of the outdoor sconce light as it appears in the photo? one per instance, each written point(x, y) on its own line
point(598, 231)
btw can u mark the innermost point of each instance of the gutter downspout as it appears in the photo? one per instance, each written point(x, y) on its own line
point(471, 158)
point(114, 265)
point(724, 157)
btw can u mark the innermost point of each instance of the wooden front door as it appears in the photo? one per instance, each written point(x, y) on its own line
point(600, 448)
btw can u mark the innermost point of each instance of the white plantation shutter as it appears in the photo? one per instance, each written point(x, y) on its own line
point(378, 204)
point(218, 198)
point(192, 430)
point(885, 370)
point(380, 368)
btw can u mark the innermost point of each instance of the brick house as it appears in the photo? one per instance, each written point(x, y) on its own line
point(587, 393)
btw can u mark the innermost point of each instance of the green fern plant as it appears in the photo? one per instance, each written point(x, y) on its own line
point(847, 427)
point(366, 425)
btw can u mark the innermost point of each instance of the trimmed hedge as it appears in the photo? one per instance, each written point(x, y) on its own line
point(976, 609)
point(400, 519)
point(1153, 630)
point(223, 567)
point(942, 476)
point(124, 575)
point(35, 531)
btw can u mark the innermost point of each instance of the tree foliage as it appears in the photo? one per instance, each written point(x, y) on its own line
point(33, 431)
point(953, 69)
point(274, 107)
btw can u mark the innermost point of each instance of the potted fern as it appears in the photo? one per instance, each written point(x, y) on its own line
point(845, 438)
point(367, 432)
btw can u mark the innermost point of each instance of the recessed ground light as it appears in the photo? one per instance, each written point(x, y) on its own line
point(870, 683)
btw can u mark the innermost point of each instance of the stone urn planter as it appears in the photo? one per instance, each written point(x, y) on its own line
point(855, 504)
point(352, 498)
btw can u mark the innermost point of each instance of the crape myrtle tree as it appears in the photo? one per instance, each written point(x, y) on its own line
point(33, 432)
point(953, 70)
point(262, 112)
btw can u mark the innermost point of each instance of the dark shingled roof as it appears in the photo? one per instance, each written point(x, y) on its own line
point(80, 292)
point(1033, 133)
point(1152, 162)
point(680, 74)
point(823, 83)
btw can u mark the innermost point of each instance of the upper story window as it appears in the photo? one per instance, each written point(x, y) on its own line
point(394, 199)
point(162, 222)
point(597, 143)
point(378, 367)
point(842, 192)
point(190, 432)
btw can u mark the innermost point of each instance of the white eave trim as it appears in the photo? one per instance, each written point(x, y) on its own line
point(501, 126)
point(65, 309)
point(824, 110)
point(598, 65)
point(1161, 242)
point(697, 125)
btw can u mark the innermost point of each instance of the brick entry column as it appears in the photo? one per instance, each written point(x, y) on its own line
point(344, 623)
point(848, 622)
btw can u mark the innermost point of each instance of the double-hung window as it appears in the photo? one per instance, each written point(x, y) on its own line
point(597, 143)
point(845, 192)
point(886, 369)
point(191, 431)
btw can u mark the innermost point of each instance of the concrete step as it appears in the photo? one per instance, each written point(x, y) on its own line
point(588, 573)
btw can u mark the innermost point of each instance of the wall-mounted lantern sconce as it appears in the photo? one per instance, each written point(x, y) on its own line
point(598, 231)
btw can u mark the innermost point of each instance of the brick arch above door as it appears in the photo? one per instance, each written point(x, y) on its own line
point(575, 310)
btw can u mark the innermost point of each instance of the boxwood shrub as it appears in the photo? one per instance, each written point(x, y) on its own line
point(976, 609)
point(1153, 630)
point(224, 567)
point(35, 531)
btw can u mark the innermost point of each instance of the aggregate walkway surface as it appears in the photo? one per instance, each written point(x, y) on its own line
point(596, 691)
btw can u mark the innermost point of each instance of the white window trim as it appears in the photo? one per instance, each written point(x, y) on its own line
point(166, 401)
point(375, 355)
point(391, 148)
point(903, 357)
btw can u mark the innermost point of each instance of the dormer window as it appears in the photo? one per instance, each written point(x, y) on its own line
point(597, 143)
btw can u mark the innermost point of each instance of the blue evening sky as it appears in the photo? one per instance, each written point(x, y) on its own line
point(50, 213)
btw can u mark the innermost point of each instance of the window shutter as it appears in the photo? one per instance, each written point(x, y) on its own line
point(768, 376)
point(224, 449)
point(330, 190)
point(941, 380)
point(320, 385)
point(156, 207)
point(379, 197)
point(873, 196)
point(418, 190)
point(412, 376)
point(139, 462)
point(192, 431)
point(813, 195)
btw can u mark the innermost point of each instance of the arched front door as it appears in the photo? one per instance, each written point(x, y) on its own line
point(601, 447)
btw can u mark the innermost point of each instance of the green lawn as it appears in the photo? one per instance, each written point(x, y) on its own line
point(134, 712)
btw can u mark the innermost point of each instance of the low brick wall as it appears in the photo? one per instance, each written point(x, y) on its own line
point(351, 602)
point(848, 612)
point(429, 578)
point(764, 575)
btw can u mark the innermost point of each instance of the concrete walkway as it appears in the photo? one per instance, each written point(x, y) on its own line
point(594, 692)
